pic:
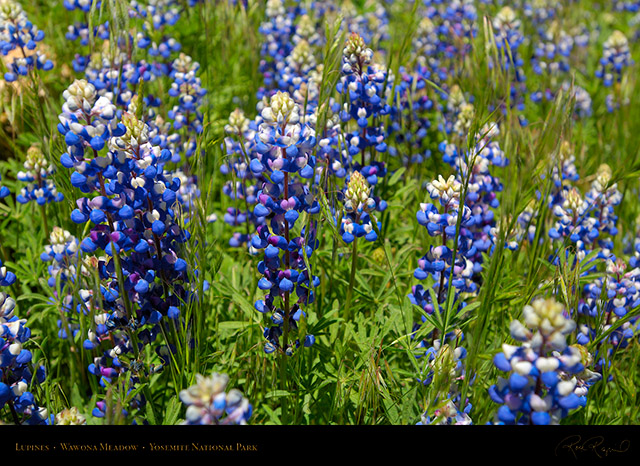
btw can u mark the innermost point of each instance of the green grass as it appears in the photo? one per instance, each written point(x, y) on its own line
point(362, 369)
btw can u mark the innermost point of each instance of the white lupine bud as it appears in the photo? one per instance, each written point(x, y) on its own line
point(617, 40)
point(519, 331)
point(355, 51)
point(282, 109)
point(446, 190)
point(540, 404)
point(509, 350)
point(547, 364)
point(522, 367)
point(558, 341)
point(15, 348)
point(358, 194)
point(70, 417)
point(565, 387)
point(19, 388)
point(506, 18)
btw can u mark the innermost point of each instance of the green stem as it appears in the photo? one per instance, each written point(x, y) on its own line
point(43, 213)
point(352, 279)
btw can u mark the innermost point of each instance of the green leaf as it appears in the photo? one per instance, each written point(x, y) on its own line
point(396, 176)
point(172, 412)
point(277, 394)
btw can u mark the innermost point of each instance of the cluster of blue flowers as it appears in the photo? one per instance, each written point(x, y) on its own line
point(284, 146)
point(40, 187)
point(439, 262)
point(17, 371)
point(446, 34)
point(19, 38)
point(476, 234)
point(129, 202)
point(556, 49)
point(509, 38)
point(546, 378)
point(278, 30)
point(616, 58)
point(411, 117)
point(356, 221)
point(244, 183)
point(551, 58)
point(590, 221)
point(4, 191)
point(607, 299)
point(363, 87)
point(79, 31)
point(444, 371)
point(209, 404)
point(187, 118)
point(121, 287)
point(483, 187)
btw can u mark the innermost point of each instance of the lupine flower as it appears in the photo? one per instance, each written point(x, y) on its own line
point(411, 119)
point(539, 11)
point(70, 417)
point(442, 372)
point(546, 378)
point(581, 98)
point(4, 191)
point(156, 15)
point(187, 87)
point(294, 74)
point(61, 251)
point(244, 183)
point(447, 414)
point(551, 59)
point(572, 220)
point(438, 261)
point(372, 24)
point(363, 87)
point(283, 150)
point(278, 30)
point(606, 300)
point(589, 221)
point(67, 267)
point(40, 187)
point(446, 34)
point(525, 230)
point(16, 371)
point(357, 206)
point(564, 174)
point(474, 168)
point(615, 58)
point(208, 403)
point(83, 5)
point(508, 38)
point(19, 36)
point(131, 210)
point(457, 114)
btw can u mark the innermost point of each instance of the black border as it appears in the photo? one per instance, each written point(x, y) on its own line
point(365, 443)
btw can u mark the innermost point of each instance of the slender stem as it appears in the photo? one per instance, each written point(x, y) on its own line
point(352, 278)
point(14, 414)
point(45, 224)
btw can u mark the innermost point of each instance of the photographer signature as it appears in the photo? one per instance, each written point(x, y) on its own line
point(594, 445)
